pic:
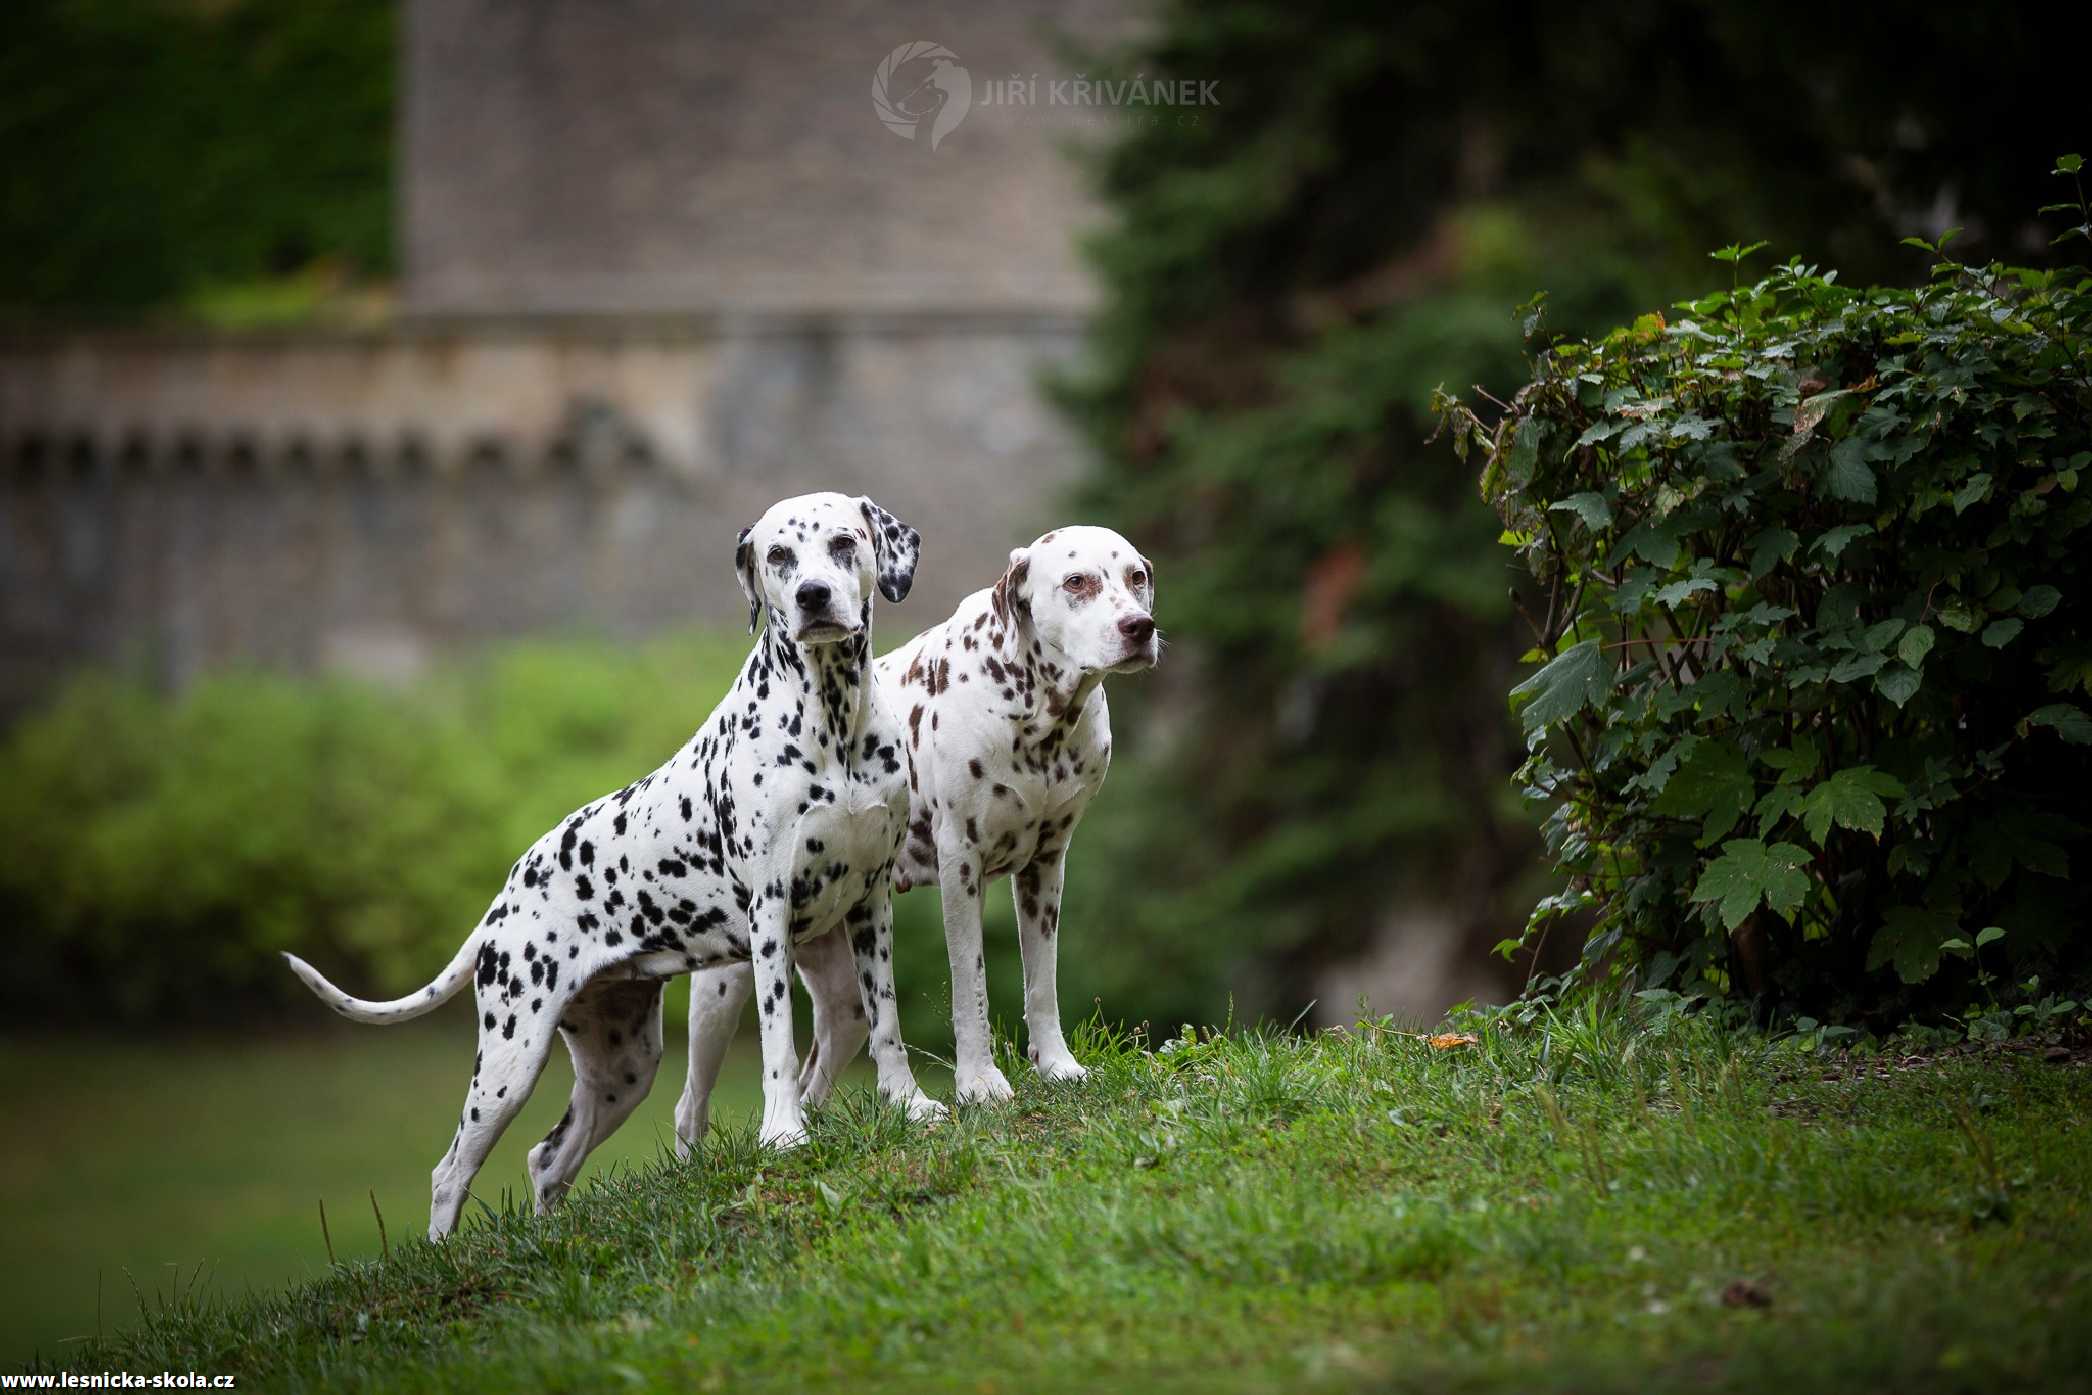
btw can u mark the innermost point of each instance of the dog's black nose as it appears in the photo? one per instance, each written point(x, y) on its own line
point(813, 596)
point(1138, 628)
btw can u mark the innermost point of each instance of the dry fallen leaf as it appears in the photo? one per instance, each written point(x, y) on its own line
point(1446, 1041)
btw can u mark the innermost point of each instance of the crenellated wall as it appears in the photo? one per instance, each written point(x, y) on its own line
point(365, 502)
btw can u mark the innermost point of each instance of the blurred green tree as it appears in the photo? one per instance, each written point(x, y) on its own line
point(162, 149)
point(1287, 275)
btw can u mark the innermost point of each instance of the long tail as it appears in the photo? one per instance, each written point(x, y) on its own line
point(445, 987)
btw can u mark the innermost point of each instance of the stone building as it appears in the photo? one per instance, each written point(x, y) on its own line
point(663, 261)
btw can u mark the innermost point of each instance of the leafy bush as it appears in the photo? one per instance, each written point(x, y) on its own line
point(1285, 273)
point(155, 854)
point(1815, 599)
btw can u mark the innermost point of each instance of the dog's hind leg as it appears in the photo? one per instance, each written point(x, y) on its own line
point(830, 974)
point(871, 948)
point(513, 1045)
point(717, 997)
point(613, 1032)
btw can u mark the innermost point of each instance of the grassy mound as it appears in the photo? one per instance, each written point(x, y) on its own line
point(1578, 1204)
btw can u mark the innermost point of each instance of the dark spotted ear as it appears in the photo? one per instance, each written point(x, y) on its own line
point(896, 548)
point(744, 568)
point(1009, 598)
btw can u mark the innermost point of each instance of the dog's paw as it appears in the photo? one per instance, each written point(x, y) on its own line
point(924, 1110)
point(1061, 1067)
point(785, 1135)
point(984, 1086)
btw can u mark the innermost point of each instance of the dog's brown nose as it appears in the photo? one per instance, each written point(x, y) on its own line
point(1138, 628)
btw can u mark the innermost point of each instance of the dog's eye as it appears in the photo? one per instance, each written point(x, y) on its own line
point(780, 556)
point(1075, 581)
point(842, 549)
point(1136, 578)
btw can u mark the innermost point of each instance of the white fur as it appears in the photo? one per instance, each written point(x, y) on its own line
point(1008, 738)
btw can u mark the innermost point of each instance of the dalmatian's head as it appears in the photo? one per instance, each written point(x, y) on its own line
point(812, 562)
point(1088, 594)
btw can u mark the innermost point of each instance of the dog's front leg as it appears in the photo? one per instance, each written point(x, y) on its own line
point(959, 878)
point(1037, 890)
point(770, 951)
point(871, 941)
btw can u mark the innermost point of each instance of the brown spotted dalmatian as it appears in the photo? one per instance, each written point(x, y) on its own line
point(1008, 738)
point(771, 836)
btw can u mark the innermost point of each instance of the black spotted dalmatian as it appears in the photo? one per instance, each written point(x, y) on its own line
point(1008, 738)
point(774, 831)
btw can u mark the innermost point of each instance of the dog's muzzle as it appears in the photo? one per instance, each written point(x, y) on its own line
point(1143, 645)
point(818, 623)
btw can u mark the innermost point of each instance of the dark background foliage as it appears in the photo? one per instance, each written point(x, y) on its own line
point(158, 150)
point(1352, 225)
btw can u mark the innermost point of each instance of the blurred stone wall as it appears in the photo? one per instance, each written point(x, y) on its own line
point(642, 155)
point(365, 503)
point(662, 263)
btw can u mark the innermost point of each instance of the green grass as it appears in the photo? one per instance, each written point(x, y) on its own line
point(1561, 1207)
point(146, 1161)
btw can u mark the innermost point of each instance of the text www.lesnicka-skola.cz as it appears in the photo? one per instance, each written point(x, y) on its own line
point(117, 1380)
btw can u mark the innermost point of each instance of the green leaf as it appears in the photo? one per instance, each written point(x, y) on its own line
point(1795, 763)
point(2070, 722)
point(1770, 548)
point(1897, 683)
point(1669, 596)
point(1880, 634)
point(1749, 872)
point(1915, 645)
point(1715, 783)
point(1910, 939)
point(2000, 633)
point(1851, 799)
point(1592, 508)
point(1577, 678)
point(1525, 449)
point(1850, 477)
point(1959, 617)
point(2068, 164)
point(1736, 252)
point(1989, 934)
point(2039, 601)
point(1654, 543)
point(1970, 493)
point(1779, 802)
point(1836, 540)
point(1858, 666)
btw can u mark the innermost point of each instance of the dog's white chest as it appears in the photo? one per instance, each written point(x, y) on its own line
point(1022, 816)
point(840, 845)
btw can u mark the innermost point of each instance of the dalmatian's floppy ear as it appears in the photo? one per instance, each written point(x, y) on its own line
point(896, 548)
point(1009, 597)
point(744, 569)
